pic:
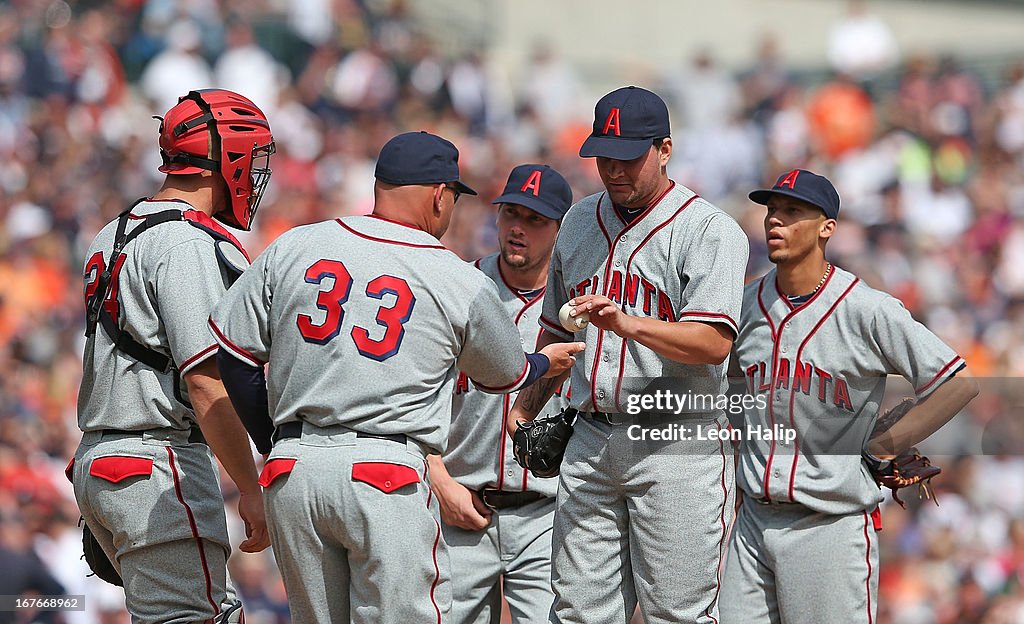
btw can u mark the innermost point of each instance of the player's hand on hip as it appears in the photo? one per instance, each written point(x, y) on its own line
point(604, 313)
point(562, 356)
point(460, 506)
point(250, 509)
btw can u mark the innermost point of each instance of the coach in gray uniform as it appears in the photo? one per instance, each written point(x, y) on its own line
point(817, 344)
point(496, 518)
point(660, 270)
point(365, 321)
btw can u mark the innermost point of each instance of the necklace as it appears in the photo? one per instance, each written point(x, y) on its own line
point(800, 299)
point(828, 271)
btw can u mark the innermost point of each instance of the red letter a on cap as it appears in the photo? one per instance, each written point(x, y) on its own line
point(532, 184)
point(790, 179)
point(612, 123)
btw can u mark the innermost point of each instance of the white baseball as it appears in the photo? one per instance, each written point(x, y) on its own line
point(573, 323)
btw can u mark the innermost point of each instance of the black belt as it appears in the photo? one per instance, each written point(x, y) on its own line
point(294, 430)
point(496, 499)
point(608, 418)
point(195, 434)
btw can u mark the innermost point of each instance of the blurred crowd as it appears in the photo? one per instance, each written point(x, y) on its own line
point(927, 155)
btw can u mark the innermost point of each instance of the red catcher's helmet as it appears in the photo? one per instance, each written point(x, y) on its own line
point(220, 131)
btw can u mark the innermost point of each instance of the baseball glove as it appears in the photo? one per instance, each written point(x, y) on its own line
point(97, 559)
point(906, 469)
point(539, 445)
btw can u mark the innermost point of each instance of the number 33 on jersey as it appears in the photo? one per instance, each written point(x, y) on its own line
point(352, 314)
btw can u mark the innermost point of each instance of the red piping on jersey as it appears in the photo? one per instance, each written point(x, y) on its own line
point(776, 336)
point(197, 356)
point(792, 394)
point(389, 241)
point(713, 315)
point(522, 376)
point(232, 347)
point(629, 263)
point(515, 291)
point(764, 311)
point(600, 221)
point(654, 202)
point(721, 542)
point(437, 569)
point(195, 530)
point(938, 375)
point(554, 328)
point(407, 225)
point(506, 404)
point(502, 437)
point(867, 558)
point(604, 289)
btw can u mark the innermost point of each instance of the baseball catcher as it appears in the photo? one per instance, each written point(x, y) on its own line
point(539, 445)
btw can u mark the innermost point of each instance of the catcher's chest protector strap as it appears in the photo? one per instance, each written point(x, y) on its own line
point(234, 261)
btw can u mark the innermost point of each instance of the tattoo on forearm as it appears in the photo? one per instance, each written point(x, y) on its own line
point(538, 394)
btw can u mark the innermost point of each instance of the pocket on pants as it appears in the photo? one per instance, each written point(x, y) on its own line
point(117, 468)
point(384, 476)
point(276, 468)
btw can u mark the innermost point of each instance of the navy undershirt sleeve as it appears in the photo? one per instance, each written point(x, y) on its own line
point(247, 388)
point(539, 365)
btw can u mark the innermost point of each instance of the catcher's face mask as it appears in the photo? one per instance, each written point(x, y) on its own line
point(221, 131)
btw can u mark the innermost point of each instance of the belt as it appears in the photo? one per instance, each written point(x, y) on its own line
point(195, 434)
point(608, 418)
point(496, 499)
point(770, 501)
point(294, 430)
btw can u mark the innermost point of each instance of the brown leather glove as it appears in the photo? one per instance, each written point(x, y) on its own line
point(905, 470)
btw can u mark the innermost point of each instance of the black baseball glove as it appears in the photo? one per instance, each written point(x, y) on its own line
point(539, 445)
point(97, 559)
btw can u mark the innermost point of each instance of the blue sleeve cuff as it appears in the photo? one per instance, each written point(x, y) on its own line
point(539, 365)
point(247, 388)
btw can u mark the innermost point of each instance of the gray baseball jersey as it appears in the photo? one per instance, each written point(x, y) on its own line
point(364, 322)
point(479, 451)
point(681, 260)
point(822, 369)
point(162, 290)
point(150, 496)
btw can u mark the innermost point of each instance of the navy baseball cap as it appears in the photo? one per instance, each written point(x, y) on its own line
point(540, 188)
point(419, 158)
point(804, 185)
point(626, 122)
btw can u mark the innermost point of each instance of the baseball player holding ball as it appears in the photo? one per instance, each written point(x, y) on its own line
point(365, 322)
point(659, 270)
point(818, 343)
point(152, 405)
point(496, 517)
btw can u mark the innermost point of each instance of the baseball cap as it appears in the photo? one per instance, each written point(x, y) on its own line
point(804, 185)
point(626, 122)
point(419, 158)
point(538, 187)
